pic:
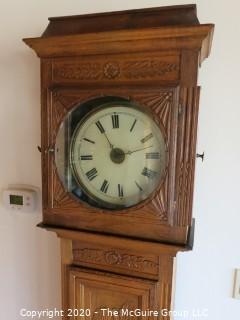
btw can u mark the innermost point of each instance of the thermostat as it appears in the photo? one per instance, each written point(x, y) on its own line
point(23, 199)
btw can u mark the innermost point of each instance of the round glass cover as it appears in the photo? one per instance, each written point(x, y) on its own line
point(110, 153)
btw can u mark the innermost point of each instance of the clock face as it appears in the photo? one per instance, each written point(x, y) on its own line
point(117, 155)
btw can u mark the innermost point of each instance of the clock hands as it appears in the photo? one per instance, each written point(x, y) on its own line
point(102, 131)
point(130, 152)
point(111, 146)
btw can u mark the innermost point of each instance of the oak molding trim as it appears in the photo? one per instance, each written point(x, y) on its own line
point(152, 39)
point(150, 247)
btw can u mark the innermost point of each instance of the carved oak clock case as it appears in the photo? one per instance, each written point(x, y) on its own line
point(119, 124)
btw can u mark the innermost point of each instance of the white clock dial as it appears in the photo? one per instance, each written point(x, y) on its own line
point(118, 155)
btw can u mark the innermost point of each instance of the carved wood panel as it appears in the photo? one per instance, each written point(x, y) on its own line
point(114, 259)
point(97, 291)
point(117, 68)
point(186, 154)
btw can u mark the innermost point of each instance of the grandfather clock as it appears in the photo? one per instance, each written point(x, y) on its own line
point(119, 110)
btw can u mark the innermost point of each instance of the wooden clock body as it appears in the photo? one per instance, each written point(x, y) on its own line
point(123, 259)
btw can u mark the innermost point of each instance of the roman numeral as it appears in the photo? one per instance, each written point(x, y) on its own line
point(133, 125)
point(92, 174)
point(115, 121)
point(100, 127)
point(153, 155)
point(149, 173)
point(88, 140)
point(88, 157)
point(120, 191)
point(148, 137)
point(104, 187)
point(139, 187)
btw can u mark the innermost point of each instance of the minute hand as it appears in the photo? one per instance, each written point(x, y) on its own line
point(130, 152)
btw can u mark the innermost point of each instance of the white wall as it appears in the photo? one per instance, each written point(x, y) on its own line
point(29, 257)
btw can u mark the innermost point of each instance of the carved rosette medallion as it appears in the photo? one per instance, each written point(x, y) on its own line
point(111, 70)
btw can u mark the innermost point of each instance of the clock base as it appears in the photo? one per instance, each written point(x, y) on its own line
point(102, 274)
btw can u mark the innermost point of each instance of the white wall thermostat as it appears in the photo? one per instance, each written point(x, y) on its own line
point(20, 198)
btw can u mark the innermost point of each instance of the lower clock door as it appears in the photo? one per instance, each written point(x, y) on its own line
point(94, 295)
